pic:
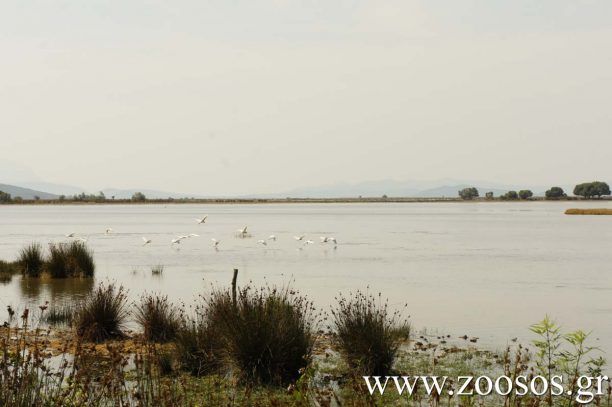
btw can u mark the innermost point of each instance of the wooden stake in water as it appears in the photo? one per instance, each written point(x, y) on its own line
point(234, 286)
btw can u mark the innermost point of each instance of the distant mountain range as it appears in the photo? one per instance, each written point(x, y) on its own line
point(391, 188)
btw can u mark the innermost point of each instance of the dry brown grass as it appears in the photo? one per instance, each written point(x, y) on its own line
point(594, 211)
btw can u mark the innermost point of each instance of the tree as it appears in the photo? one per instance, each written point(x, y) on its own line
point(489, 195)
point(468, 193)
point(591, 189)
point(5, 197)
point(525, 194)
point(62, 198)
point(36, 198)
point(555, 193)
point(510, 196)
point(139, 197)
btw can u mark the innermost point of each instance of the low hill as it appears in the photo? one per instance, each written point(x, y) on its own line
point(25, 193)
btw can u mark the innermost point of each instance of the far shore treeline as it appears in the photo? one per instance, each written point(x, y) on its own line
point(587, 190)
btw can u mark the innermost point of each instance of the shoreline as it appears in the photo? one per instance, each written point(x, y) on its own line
point(249, 201)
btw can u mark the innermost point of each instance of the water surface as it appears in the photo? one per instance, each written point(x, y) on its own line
point(483, 269)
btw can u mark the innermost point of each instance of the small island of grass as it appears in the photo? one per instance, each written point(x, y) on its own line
point(593, 211)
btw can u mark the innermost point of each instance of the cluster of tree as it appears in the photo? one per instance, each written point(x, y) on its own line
point(139, 197)
point(5, 197)
point(555, 193)
point(592, 189)
point(513, 195)
point(468, 193)
point(83, 197)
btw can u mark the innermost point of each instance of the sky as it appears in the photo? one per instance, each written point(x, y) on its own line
point(235, 97)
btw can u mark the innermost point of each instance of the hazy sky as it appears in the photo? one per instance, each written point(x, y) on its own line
point(246, 96)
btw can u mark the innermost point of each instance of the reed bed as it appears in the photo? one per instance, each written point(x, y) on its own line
point(595, 211)
point(31, 260)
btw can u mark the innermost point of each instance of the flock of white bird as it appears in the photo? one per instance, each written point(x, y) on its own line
point(242, 232)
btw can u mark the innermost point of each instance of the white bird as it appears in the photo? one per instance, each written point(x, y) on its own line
point(299, 237)
point(333, 239)
point(324, 239)
point(201, 220)
point(146, 241)
point(215, 242)
point(70, 234)
point(243, 231)
point(263, 242)
point(193, 235)
point(272, 237)
point(109, 231)
point(308, 242)
point(178, 239)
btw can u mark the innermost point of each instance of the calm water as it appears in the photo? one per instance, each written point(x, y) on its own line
point(482, 269)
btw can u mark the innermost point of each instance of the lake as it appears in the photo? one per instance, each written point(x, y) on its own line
point(481, 269)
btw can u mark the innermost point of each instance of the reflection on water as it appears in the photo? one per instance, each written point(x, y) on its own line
point(35, 291)
point(482, 269)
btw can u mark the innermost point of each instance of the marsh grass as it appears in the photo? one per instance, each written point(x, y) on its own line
point(157, 317)
point(198, 345)
point(368, 333)
point(60, 315)
point(73, 259)
point(157, 270)
point(267, 333)
point(103, 314)
point(31, 260)
point(595, 211)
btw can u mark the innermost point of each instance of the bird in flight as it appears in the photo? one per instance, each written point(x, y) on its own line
point(109, 231)
point(263, 242)
point(201, 220)
point(301, 237)
point(272, 237)
point(146, 241)
point(215, 242)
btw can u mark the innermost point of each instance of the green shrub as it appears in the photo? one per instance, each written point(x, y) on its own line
point(157, 317)
point(103, 315)
point(368, 335)
point(30, 260)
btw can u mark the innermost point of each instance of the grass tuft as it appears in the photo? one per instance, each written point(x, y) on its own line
point(368, 334)
point(72, 259)
point(157, 317)
point(267, 334)
point(103, 315)
point(31, 260)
